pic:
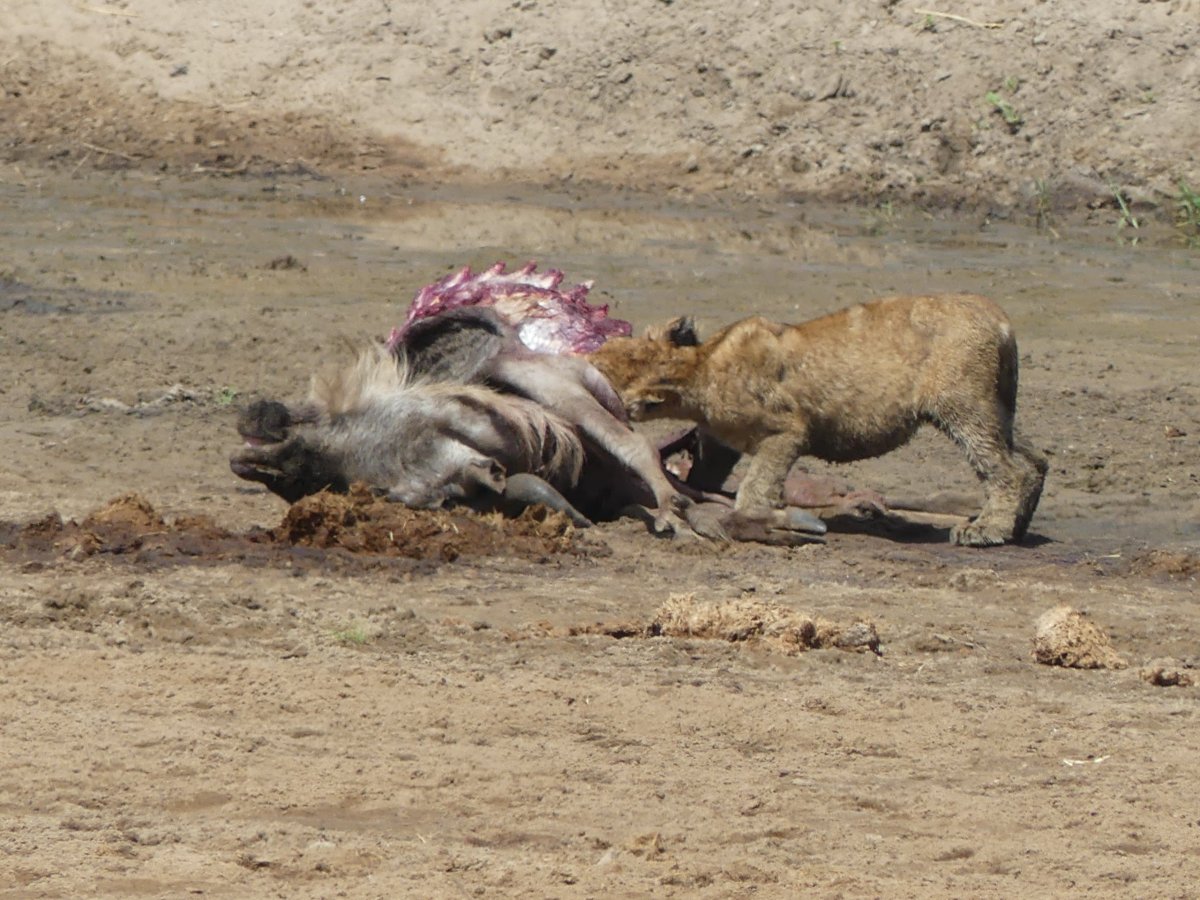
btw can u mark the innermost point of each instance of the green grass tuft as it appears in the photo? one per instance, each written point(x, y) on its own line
point(1187, 218)
point(353, 634)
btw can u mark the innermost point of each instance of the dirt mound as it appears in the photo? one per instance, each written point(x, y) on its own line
point(326, 529)
point(362, 523)
point(1066, 638)
point(768, 625)
point(130, 512)
point(1173, 564)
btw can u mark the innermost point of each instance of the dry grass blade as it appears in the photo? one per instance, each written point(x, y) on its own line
point(109, 12)
point(972, 22)
point(107, 151)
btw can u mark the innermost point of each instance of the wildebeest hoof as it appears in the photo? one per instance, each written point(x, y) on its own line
point(674, 525)
point(798, 519)
point(708, 520)
point(525, 489)
point(658, 522)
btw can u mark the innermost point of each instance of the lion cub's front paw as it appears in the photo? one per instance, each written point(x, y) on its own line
point(981, 534)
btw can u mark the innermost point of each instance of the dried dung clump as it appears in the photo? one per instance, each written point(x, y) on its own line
point(777, 627)
point(1065, 637)
point(363, 523)
point(1167, 672)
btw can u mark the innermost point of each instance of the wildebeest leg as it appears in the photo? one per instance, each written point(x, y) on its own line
point(460, 481)
point(942, 503)
point(558, 383)
point(788, 527)
point(482, 484)
point(783, 527)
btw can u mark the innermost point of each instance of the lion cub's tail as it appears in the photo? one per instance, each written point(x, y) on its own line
point(1007, 373)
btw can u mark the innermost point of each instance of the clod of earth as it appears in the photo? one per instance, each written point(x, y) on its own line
point(1065, 637)
point(1172, 563)
point(1167, 672)
point(352, 530)
point(363, 523)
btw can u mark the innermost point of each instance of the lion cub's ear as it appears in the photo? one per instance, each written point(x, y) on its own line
point(680, 332)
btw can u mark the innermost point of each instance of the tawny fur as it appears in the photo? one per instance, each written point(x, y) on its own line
point(851, 385)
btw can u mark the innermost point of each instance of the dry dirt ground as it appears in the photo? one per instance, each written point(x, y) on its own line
point(204, 694)
point(1010, 103)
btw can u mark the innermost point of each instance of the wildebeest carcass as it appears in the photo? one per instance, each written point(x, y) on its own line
point(428, 425)
point(457, 410)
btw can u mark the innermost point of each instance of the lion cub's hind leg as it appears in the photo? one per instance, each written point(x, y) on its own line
point(1012, 476)
point(1035, 467)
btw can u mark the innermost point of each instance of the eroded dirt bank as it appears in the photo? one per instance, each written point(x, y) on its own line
point(1015, 104)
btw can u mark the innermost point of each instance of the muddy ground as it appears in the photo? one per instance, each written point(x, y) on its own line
point(203, 694)
point(190, 709)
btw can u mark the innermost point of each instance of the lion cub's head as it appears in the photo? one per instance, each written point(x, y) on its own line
point(651, 372)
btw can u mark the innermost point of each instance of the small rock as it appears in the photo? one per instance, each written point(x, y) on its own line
point(837, 86)
point(859, 636)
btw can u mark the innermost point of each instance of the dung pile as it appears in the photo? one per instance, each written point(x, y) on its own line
point(770, 626)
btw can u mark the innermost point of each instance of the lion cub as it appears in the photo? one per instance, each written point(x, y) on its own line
point(850, 385)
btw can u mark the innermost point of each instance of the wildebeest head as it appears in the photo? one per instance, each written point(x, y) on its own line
point(281, 455)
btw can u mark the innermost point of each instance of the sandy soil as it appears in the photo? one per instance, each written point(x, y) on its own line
point(1009, 104)
point(195, 703)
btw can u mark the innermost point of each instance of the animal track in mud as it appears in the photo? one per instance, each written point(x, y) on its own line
point(352, 531)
